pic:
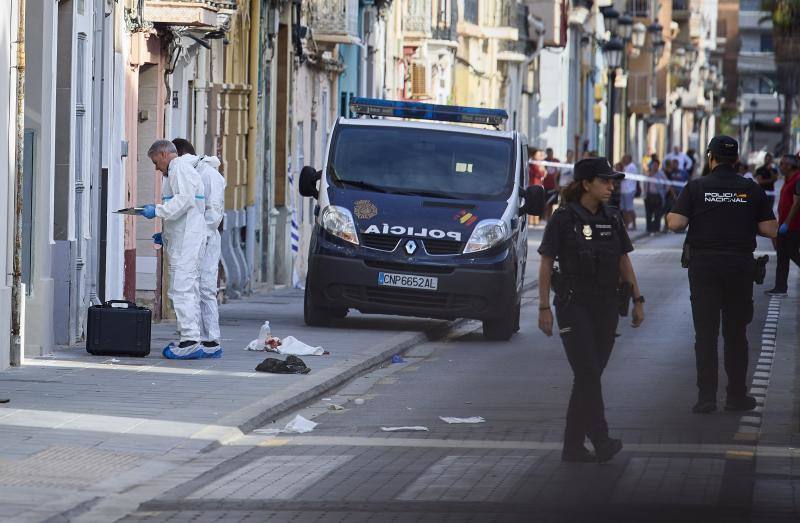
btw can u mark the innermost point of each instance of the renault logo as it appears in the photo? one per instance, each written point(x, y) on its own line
point(411, 247)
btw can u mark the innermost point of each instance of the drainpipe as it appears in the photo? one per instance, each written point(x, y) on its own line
point(18, 290)
point(252, 140)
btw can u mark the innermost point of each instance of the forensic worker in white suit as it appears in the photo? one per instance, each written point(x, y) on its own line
point(183, 237)
point(214, 192)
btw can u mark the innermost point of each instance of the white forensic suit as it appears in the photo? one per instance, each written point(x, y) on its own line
point(184, 234)
point(214, 191)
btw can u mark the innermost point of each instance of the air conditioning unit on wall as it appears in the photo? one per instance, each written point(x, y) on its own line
point(553, 14)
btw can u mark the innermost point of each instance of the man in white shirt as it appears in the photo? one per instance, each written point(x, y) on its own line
point(628, 193)
point(683, 158)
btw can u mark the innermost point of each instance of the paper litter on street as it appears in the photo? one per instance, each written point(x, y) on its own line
point(405, 429)
point(299, 425)
point(473, 419)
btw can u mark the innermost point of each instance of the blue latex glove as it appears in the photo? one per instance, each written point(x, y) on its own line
point(149, 211)
point(783, 229)
point(157, 239)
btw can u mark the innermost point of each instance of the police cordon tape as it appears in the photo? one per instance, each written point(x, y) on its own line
point(630, 176)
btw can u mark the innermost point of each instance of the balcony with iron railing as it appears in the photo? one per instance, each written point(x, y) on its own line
point(334, 21)
point(436, 20)
point(189, 13)
point(638, 8)
point(516, 50)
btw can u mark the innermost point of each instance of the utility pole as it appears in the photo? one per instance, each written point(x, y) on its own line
point(17, 290)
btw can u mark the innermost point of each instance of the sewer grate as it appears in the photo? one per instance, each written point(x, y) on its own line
point(65, 467)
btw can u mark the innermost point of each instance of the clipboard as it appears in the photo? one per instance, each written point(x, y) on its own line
point(130, 210)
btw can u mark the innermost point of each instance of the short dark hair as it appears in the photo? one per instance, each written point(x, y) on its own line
point(183, 146)
point(728, 160)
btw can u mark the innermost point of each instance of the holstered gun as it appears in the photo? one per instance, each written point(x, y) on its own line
point(686, 256)
point(761, 269)
point(624, 295)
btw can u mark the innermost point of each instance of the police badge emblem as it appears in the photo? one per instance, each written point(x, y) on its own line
point(364, 209)
point(587, 232)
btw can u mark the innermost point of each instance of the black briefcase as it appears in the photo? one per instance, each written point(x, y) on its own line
point(118, 328)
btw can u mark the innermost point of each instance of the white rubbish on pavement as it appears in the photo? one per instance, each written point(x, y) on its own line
point(295, 347)
point(334, 406)
point(358, 401)
point(473, 419)
point(405, 429)
point(299, 425)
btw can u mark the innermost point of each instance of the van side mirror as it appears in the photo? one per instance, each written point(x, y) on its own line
point(534, 201)
point(308, 182)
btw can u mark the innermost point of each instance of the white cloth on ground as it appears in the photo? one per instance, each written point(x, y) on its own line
point(183, 234)
point(293, 346)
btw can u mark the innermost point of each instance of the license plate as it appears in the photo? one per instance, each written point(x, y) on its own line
point(408, 281)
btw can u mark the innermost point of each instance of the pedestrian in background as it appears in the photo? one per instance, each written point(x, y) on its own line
point(724, 213)
point(654, 195)
point(536, 174)
point(550, 183)
point(628, 193)
point(183, 236)
point(671, 192)
point(766, 176)
point(565, 176)
point(211, 251)
point(590, 243)
point(788, 241)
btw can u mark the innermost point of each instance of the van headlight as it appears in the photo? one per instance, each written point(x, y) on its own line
point(486, 235)
point(339, 222)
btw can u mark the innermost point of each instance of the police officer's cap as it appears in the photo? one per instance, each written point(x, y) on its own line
point(589, 168)
point(723, 146)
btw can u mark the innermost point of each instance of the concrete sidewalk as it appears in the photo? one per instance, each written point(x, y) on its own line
point(73, 415)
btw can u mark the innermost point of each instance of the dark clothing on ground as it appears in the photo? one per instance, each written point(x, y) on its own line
point(724, 210)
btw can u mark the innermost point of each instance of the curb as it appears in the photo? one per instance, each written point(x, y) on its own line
point(248, 418)
point(253, 416)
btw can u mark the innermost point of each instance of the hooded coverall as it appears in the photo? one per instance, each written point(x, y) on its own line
point(214, 191)
point(184, 234)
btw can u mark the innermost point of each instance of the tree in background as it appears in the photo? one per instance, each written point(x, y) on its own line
point(785, 17)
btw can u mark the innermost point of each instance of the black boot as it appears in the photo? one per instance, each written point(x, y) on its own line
point(705, 405)
point(740, 403)
point(579, 455)
point(607, 449)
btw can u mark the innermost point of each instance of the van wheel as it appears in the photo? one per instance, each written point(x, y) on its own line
point(315, 316)
point(503, 328)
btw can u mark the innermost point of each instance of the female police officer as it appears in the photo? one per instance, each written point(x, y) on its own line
point(591, 245)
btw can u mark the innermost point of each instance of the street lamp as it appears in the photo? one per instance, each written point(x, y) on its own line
point(625, 26)
point(610, 19)
point(656, 32)
point(638, 35)
point(612, 52)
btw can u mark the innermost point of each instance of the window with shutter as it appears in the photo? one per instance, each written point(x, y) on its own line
point(419, 81)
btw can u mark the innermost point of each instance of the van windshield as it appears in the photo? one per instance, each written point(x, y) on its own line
point(425, 162)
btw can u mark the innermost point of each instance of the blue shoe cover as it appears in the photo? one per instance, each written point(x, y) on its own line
point(215, 355)
point(196, 354)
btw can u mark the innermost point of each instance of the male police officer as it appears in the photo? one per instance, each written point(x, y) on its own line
point(724, 213)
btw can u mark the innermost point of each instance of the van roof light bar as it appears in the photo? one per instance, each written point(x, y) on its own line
point(422, 111)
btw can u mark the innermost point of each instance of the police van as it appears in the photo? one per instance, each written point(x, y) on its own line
point(420, 216)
